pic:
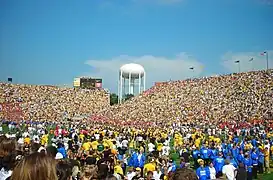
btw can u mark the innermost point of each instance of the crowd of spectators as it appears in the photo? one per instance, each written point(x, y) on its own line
point(48, 103)
point(241, 97)
point(207, 128)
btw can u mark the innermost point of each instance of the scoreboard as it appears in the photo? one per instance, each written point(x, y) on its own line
point(87, 83)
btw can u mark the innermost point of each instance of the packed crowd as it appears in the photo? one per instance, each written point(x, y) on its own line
point(80, 150)
point(49, 103)
point(206, 128)
point(242, 97)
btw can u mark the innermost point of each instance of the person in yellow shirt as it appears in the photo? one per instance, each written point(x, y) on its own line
point(159, 147)
point(151, 166)
point(81, 136)
point(86, 146)
point(44, 139)
point(197, 142)
point(266, 159)
point(94, 145)
point(27, 140)
point(118, 169)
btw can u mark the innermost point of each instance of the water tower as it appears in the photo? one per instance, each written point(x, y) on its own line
point(131, 76)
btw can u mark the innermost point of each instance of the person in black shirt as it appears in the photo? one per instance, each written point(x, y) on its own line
point(241, 173)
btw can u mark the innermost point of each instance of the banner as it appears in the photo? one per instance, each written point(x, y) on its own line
point(77, 82)
point(98, 85)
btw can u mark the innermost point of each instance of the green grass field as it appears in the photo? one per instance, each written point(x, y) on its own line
point(266, 176)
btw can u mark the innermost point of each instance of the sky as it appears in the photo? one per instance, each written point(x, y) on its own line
point(52, 42)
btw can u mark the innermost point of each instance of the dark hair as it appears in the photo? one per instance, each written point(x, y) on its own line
point(111, 177)
point(7, 146)
point(51, 151)
point(2, 137)
point(7, 153)
point(184, 174)
point(35, 147)
point(64, 170)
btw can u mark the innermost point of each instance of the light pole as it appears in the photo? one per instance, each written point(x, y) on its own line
point(251, 61)
point(192, 68)
point(238, 62)
point(265, 53)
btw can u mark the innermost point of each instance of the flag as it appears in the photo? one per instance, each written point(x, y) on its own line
point(251, 59)
point(237, 61)
point(191, 68)
point(263, 53)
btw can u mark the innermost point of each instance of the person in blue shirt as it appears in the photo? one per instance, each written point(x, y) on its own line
point(219, 162)
point(254, 157)
point(261, 162)
point(225, 150)
point(138, 159)
point(213, 153)
point(172, 166)
point(236, 139)
point(205, 152)
point(241, 157)
point(61, 149)
point(248, 165)
point(233, 162)
point(202, 172)
point(195, 155)
point(254, 142)
point(235, 152)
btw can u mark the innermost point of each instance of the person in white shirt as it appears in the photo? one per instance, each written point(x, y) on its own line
point(212, 171)
point(165, 150)
point(151, 147)
point(157, 174)
point(5, 174)
point(124, 143)
point(130, 174)
point(229, 170)
point(36, 139)
point(21, 141)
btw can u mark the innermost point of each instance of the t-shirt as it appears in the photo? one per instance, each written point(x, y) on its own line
point(124, 143)
point(159, 146)
point(4, 174)
point(151, 147)
point(130, 175)
point(86, 146)
point(100, 147)
point(97, 136)
point(228, 170)
point(166, 150)
point(27, 140)
point(149, 167)
point(118, 170)
point(156, 175)
point(94, 145)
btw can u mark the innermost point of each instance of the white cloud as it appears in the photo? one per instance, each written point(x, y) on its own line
point(157, 68)
point(258, 63)
point(267, 2)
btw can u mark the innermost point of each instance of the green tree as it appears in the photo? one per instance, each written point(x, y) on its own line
point(128, 96)
point(113, 99)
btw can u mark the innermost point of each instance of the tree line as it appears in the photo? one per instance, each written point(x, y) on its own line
point(114, 98)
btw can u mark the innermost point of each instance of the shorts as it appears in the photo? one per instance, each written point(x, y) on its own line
point(267, 164)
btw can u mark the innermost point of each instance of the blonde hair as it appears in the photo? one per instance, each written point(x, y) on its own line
point(36, 166)
point(89, 171)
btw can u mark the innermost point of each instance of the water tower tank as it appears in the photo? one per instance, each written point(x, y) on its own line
point(134, 69)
